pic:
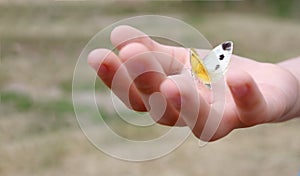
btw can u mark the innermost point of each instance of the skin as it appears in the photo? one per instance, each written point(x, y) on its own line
point(257, 92)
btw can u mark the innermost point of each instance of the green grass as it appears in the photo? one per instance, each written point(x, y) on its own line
point(19, 101)
point(23, 102)
point(60, 106)
point(42, 117)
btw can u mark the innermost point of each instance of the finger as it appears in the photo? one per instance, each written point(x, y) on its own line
point(173, 97)
point(142, 67)
point(183, 95)
point(105, 63)
point(250, 103)
point(109, 69)
point(123, 35)
point(162, 111)
point(148, 74)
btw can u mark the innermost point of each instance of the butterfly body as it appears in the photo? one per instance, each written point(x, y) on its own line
point(213, 66)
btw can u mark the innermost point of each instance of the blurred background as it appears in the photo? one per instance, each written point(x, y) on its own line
point(40, 42)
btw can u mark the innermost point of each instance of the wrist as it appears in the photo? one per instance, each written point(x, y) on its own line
point(294, 112)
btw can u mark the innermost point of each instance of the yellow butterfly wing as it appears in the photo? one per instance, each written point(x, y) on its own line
point(198, 67)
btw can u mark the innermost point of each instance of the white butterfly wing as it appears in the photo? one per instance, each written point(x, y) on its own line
point(217, 61)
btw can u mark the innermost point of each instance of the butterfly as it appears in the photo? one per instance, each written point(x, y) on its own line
point(214, 65)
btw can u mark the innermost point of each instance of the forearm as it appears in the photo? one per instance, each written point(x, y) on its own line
point(293, 66)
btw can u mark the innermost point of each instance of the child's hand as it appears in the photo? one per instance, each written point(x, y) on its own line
point(259, 92)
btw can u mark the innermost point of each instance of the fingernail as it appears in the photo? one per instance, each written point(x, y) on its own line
point(239, 91)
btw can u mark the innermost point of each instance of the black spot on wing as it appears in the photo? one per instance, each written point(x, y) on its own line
point(221, 57)
point(226, 46)
point(217, 67)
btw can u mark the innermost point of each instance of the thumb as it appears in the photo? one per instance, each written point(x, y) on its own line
point(250, 103)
